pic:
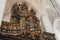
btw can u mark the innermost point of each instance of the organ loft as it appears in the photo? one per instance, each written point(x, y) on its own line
point(23, 25)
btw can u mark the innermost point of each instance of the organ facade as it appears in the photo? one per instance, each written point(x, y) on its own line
point(24, 25)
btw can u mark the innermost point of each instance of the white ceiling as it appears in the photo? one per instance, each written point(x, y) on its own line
point(58, 2)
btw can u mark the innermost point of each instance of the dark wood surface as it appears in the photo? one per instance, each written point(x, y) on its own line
point(44, 36)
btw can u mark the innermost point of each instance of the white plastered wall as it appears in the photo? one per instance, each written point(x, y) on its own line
point(2, 5)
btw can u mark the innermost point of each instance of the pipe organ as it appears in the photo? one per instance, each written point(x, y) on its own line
point(24, 25)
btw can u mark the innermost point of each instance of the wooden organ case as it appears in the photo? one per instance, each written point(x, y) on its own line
point(24, 25)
